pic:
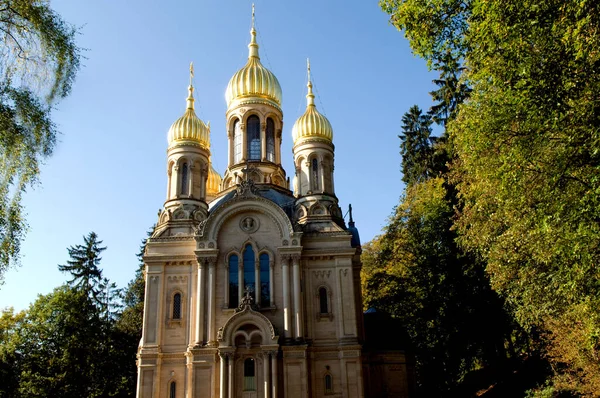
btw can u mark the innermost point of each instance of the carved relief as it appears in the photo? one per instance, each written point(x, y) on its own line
point(249, 224)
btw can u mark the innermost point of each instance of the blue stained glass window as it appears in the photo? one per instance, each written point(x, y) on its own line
point(249, 280)
point(253, 137)
point(265, 294)
point(234, 283)
point(184, 179)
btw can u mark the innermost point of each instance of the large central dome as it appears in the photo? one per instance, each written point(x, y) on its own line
point(253, 82)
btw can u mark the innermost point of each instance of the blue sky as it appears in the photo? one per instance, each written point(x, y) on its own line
point(108, 172)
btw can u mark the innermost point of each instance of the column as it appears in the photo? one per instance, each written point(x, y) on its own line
point(211, 301)
point(244, 142)
point(287, 311)
point(200, 303)
point(278, 149)
point(257, 287)
point(271, 291)
point(190, 181)
point(274, 374)
point(169, 173)
point(263, 141)
point(322, 175)
point(266, 374)
point(230, 363)
point(230, 152)
point(297, 310)
point(240, 280)
point(175, 183)
point(222, 370)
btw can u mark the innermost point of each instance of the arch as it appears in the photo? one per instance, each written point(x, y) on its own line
point(235, 206)
point(253, 138)
point(252, 323)
point(238, 137)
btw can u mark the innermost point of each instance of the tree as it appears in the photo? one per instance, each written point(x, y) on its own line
point(416, 146)
point(451, 92)
point(83, 266)
point(527, 159)
point(38, 63)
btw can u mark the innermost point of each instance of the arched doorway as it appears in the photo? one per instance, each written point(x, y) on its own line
point(248, 352)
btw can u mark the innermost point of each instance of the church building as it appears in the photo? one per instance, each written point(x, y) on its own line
point(253, 282)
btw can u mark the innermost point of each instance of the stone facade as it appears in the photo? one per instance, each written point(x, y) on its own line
point(255, 292)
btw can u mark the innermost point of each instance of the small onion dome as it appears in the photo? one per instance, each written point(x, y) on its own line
point(312, 124)
point(213, 183)
point(189, 129)
point(254, 80)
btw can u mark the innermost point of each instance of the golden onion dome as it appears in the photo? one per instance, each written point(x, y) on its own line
point(254, 80)
point(312, 124)
point(213, 183)
point(189, 129)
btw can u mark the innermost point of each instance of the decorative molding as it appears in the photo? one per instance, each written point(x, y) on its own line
point(177, 278)
point(322, 274)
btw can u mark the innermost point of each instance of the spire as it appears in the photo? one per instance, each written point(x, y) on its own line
point(190, 98)
point(310, 97)
point(253, 46)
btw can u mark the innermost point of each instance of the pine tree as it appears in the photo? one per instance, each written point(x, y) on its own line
point(83, 266)
point(416, 147)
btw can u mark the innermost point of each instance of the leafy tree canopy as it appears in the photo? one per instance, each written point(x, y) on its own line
point(38, 63)
point(526, 158)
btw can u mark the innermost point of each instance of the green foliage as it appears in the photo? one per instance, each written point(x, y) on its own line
point(38, 64)
point(416, 272)
point(83, 267)
point(69, 343)
point(526, 159)
point(416, 146)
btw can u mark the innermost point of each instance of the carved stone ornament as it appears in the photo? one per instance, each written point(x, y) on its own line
point(249, 224)
point(247, 301)
point(246, 189)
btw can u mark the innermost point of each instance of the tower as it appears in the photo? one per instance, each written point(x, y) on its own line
point(317, 206)
point(254, 123)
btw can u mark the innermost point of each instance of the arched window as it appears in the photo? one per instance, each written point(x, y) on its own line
point(265, 294)
point(184, 179)
point(172, 390)
point(234, 283)
point(323, 304)
point(249, 375)
point(253, 137)
point(237, 142)
point(328, 384)
point(177, 306)
point(270, 133)
point(315, 174)
point(249, 268)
